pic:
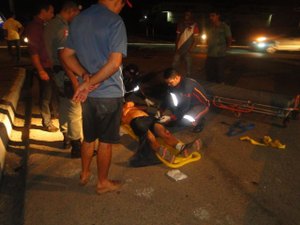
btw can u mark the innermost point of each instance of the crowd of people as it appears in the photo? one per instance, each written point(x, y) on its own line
point(78, 57)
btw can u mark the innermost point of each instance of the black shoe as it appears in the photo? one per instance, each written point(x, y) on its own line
point(50, 128)
point(76, 146)
point(66, 142)
point(199, 127)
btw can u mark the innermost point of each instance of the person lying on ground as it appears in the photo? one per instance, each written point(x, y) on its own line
point(147, 128)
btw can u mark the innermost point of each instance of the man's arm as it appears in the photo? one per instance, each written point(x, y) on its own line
point(70, 60)
point(20, 29)
point(228, 36)
point(35, 59)
point(113, 65)
point(196, 34)
point(68, 71)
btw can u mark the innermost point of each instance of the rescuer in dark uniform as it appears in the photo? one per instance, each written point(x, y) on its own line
point(186, 99)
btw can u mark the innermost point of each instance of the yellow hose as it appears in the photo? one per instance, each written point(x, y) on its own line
point(267, 141)
point(180, 161)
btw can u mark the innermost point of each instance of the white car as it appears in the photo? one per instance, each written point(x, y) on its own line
point(271, 44)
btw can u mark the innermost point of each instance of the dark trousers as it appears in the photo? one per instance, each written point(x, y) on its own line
point(47, 95)
point(10, 45)
point(214, 67)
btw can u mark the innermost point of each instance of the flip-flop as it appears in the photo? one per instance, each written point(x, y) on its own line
point(239, 128)
point(191, 147)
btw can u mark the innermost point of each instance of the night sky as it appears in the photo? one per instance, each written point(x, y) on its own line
point(23, 6)
point(131, 16)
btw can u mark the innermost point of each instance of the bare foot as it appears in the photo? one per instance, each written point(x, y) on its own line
point(109, 186)
point(84, 178)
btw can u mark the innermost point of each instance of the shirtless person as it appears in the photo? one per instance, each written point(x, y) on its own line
point(146, 127)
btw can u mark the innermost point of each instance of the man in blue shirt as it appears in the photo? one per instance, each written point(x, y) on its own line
point(94, 50)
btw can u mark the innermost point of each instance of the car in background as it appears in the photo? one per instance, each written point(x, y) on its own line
point(271, 43)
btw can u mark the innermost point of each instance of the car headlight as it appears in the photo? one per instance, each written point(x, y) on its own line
point(261, 45)
point(25, 39)
point(261, 39)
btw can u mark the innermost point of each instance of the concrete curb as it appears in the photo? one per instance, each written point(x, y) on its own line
point(8, 106)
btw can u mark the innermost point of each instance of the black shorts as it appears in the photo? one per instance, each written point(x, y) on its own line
point(101, 119)
point(141, 125)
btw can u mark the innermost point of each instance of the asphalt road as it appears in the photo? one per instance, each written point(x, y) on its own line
point(234, 183)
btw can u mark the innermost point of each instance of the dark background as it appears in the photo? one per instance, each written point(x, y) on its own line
point(245, 17)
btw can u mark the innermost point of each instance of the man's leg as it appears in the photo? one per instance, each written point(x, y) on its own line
point(153, 142)
point(220, 66)
point(176, 60)
point(189, 64)
point(198, 112)
point(210, 69)
point(74, 126)
point(9, 48)
point(46, 92)
point(63, 119)
point(87, 151)
point(165, 134)
point(103, 164)
point(88, 145)
point(18, 50)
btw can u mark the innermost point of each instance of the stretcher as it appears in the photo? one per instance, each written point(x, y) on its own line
point(168, 155)
point(240, 100)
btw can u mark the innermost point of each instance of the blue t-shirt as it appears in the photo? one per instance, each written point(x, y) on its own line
point(94, 34)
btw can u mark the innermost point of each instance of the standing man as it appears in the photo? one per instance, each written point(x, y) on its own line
point(41, 61)
point(187, 31)
point(13, 30)
point(95, 47)
point(186, 100)
point(218, 41)
point(56, 33)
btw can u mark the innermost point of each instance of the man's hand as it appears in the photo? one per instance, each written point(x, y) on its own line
point(149, 102)
point(43, 75)
point(165, 119)
point(84, 89)
point(81, 92)
point(157, 114)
